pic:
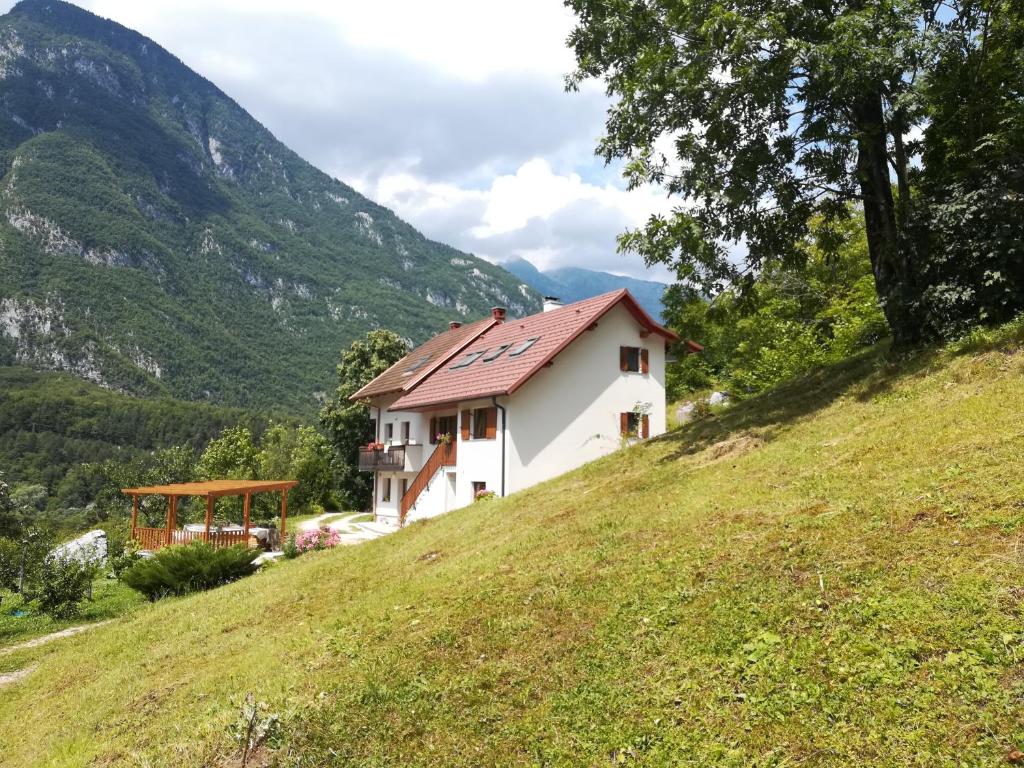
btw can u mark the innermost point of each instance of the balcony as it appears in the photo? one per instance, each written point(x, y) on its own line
point(397, 458)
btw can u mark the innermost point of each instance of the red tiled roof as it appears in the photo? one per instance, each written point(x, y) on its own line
point(553, 330)
point(430, 354)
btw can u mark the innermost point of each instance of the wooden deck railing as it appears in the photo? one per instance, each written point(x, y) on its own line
point(153, 539)
point(443, 456)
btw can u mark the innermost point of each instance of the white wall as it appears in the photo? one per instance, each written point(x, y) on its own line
point(568, 414)
point(478, 460)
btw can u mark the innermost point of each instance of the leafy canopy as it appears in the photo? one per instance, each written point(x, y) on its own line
point(348, 423)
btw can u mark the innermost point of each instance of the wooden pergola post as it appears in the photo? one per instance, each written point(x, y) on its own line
point(246, 505)
point(210, 501)
point(135, 513)
point(172, 513)
point(284, 512)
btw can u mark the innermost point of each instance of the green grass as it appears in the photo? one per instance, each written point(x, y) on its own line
point(826, 575)
point(110, 598)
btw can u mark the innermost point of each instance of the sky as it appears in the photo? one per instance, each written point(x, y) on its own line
point(452, 112)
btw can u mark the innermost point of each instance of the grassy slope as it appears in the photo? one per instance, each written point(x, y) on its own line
point(826, 575)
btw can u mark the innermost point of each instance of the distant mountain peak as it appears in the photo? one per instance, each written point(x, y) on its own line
point(577, 283)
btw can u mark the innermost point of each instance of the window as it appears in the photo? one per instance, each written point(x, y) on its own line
point(496, 353)
point(417, 365)
point(468, 360)
point(633, 424)
point(442, 425)
point(404, 486)
point(479, 487)
point(405, 431)
point(389, 432)
point(480, 424)
point(523, 347)
point(385, 489)
point(633, 359)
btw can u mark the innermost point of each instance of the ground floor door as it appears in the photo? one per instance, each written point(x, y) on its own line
point(449, 500)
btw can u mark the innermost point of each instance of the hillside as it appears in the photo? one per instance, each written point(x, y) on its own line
point(575, 284)
point(826, 575)
point(49, 422)
point(156, 239)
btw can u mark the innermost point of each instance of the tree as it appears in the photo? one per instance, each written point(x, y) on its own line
point(298, 453)
point(764, 115)
point(790, 320)
point(972, 176)
point(348, 423)
point(10, 520)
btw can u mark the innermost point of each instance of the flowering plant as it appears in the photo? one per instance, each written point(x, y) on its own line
point(316, 539)
point(374, 446)
point(444, 438)
point(483, 495)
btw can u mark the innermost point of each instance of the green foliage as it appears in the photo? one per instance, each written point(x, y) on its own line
point(348, 423)
point(64, 584)
point(10, 522)
point(972, 180)
point(791, 320)
point(763, 117)
point(168, 244)
point(51, 424)
point(23, 560)
point(301, 454)
point(193, 567)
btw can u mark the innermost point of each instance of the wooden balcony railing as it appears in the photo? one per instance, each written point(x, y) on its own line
point(152, 539)
point(443, 456)
point(373, 459)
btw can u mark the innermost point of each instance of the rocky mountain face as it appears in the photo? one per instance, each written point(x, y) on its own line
point(575, 284)
point(156, 239)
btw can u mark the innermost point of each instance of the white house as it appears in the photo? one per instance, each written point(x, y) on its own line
point(501, 404)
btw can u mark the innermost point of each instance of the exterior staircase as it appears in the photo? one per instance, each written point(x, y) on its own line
point(444, 455)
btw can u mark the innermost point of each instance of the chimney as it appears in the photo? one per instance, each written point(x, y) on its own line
point(454, 324)
point(551, 302)
point(498, 313)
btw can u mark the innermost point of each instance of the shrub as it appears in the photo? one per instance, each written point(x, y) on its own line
point(64, 585)
point(289, 549)
point(316, 539)
point(122, 556)
point(483, 495)
point(192, 567)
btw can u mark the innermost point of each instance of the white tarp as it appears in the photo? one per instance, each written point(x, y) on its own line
point(88, 548)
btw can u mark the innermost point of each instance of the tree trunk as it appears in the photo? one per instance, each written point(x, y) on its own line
point(890, 257)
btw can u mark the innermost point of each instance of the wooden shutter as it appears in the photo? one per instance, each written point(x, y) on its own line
point(645, 363)
point(623, 358)
point(645, 427)
point(624, 424)
point(433, 431)
point(492, 423)
point(465, 425)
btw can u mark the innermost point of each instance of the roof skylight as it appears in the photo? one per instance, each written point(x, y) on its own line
point(496, 353)
point(417, 365)
point(523, 347)
point(468, 360)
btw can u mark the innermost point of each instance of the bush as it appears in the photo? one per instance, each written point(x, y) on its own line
point(189, 568)
point(290, 550)
point(122, 556)
point(64, 585)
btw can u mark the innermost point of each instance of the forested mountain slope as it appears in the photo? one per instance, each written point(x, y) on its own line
point(827, 575)
point(157, 239)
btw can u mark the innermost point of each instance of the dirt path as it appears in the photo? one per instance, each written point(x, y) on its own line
point(8, 678)
point(37, 641)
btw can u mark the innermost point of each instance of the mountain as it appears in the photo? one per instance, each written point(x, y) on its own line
point(156, 239)
point(827, 575)
point(574, 284)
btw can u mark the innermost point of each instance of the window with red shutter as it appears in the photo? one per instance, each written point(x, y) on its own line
point(629, 359)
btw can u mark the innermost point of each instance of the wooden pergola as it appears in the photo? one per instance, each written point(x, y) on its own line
point(154, 538)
